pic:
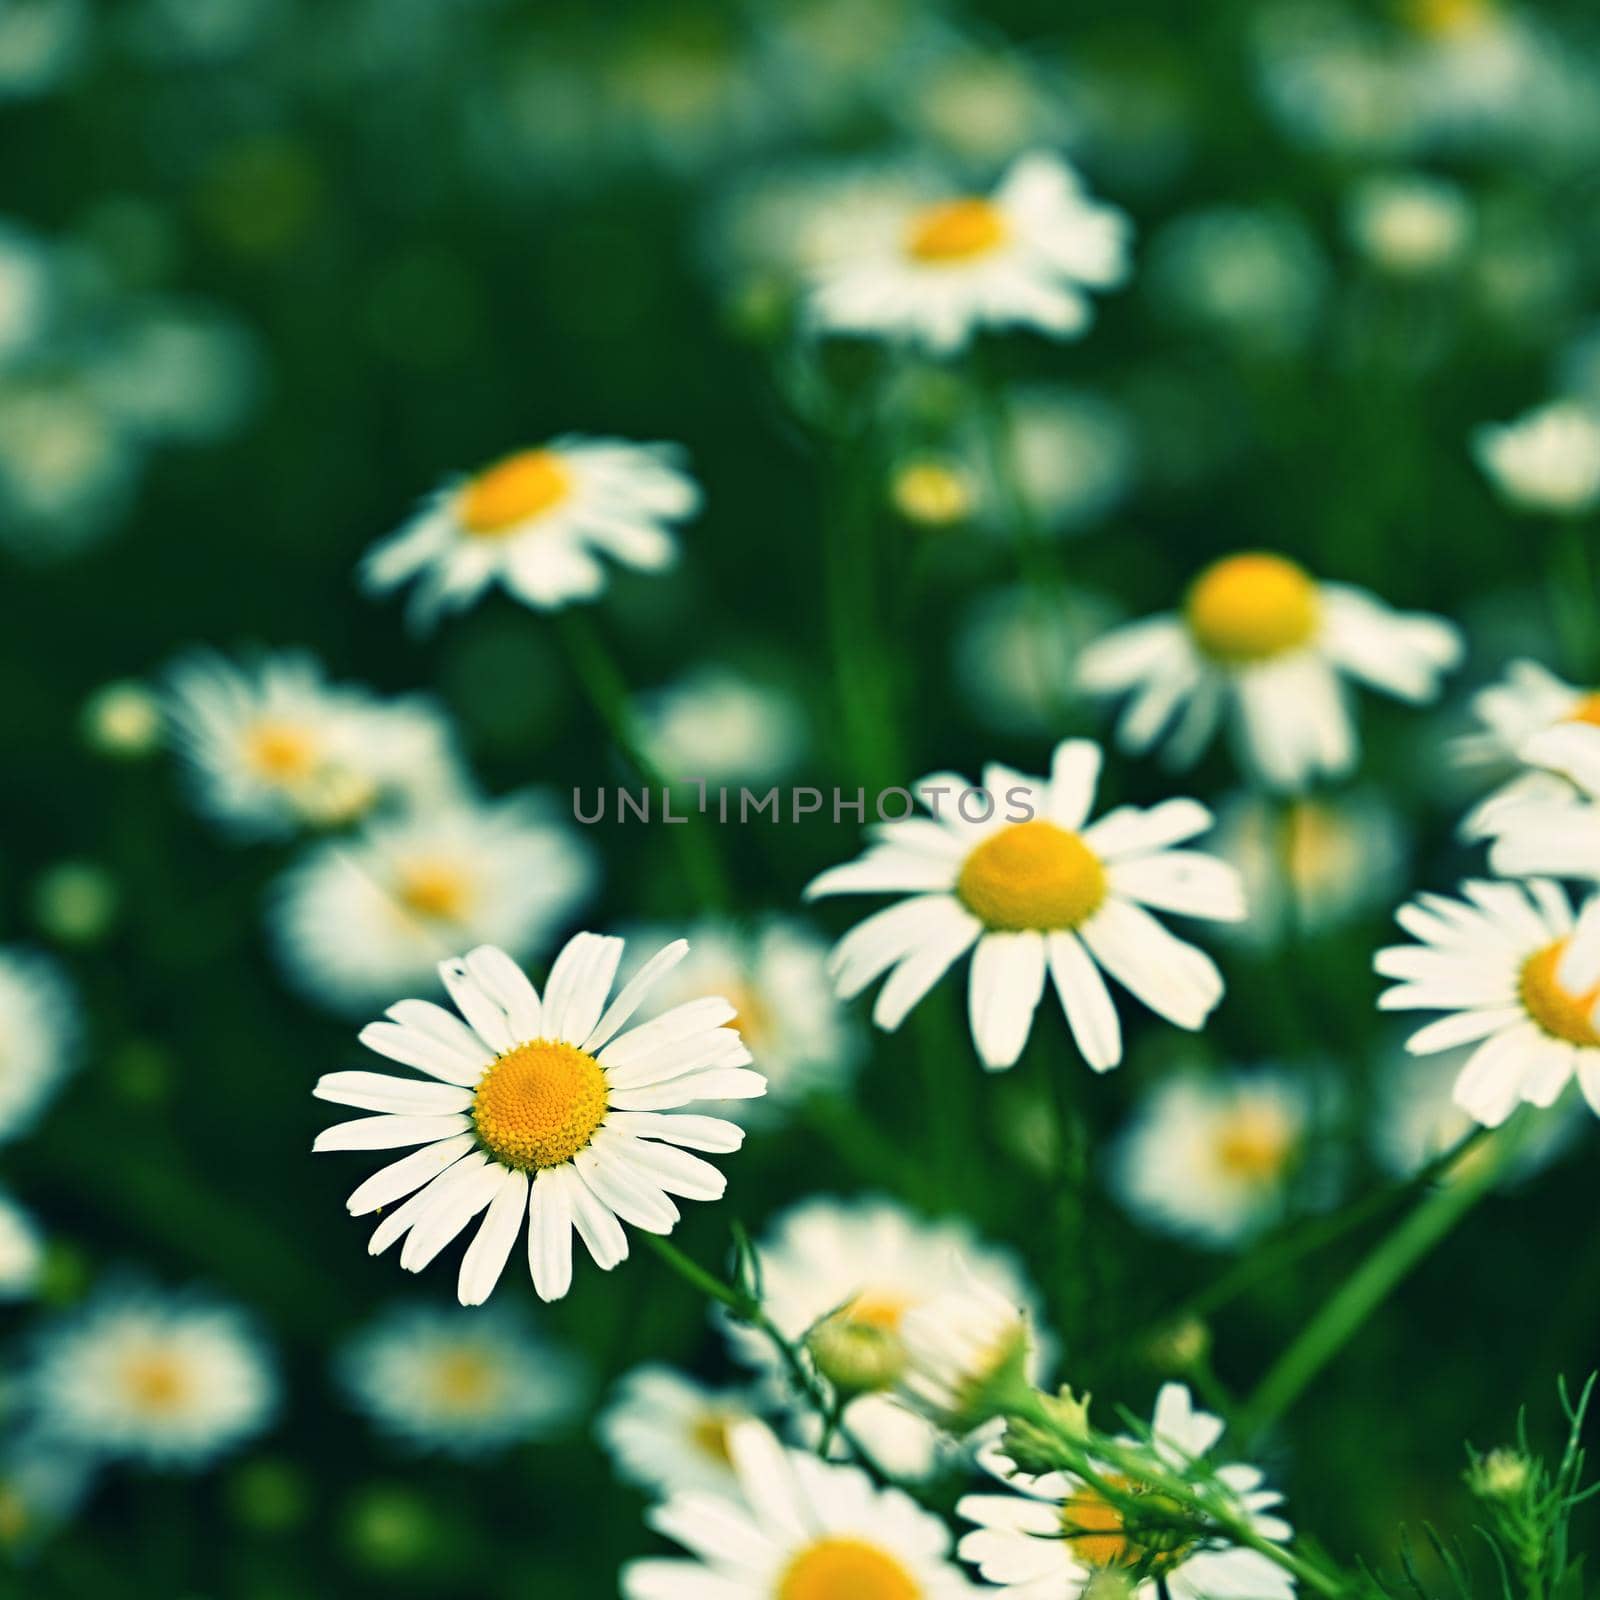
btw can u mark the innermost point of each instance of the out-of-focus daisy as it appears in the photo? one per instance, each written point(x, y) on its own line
point(1032, 888)
point(21, 1252)
point(358, 920)
point(1263, 644)
point(271, 746)
point(1547, 460)
point(670, 1435)
point(544, 1107)
point(800, 1529)
point(27, 273)
point(718, 727)
point(1023, 256)
point(42, 1485)
point(1212, 1158)
point(843, 1278)
point(1514, 970)
point(963, 1347)
point(1056, 1533)
point(1551, 824)
point(38, 1036)
point(775, 975)
point(1311, 862)
point(537, 521)
point(170, 1379)
point(1409, 225)
point(437, 1378)
point(41, 42)
point(1072, 453)
point(122, 719)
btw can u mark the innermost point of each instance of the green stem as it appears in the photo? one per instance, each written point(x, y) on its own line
point(1573, 601)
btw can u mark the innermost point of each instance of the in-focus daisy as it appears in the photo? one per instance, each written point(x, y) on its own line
point(1043, 893)
point(800, 1529)
point(669, 1434)
point(537, 521)
point(1519, 977)
point(843, 1278)
point(357, 920)
point(170, 1379)
point(21, 1252)
point(438, 1378)
point(1022, 256)
point(543, 1106)
point(270, 746)
point(717, 727)
point(1211, 1158)
point(1545, 461)
point(1265, 645)
point(775, 975)
point(1055, 1533)
point(38, 1036)
point(1551, 822)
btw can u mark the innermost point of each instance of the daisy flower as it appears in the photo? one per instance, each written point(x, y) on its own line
point(1043, 892)
point(842, 1278)
point(1553, 828)
point(1055, 1533)
point(962, 1348)
point(21, 1252)
point(1519, 976)
point(937, 272)
point(171, 1380)
point(38, 1036)
point(541, 1106)
point(668, 1434)
point(720, 727)
point(464, 1384)
point(1261, 642)
point(800, 1529)
point(537, 521)
point(270, 747)
point(1211, 1158)
point(357, 920)
point(1546, 461)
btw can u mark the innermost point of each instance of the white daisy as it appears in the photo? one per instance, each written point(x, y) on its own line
point(357, 920)
point(1263, 643)
point(719, 727)
point(438, 1378)
point(170, 1379)
point(843, 1278)
point(1551, 821)
point(537, 521)
point(1056, 1532)
point(801, 1529)
point(1545, 461)
point(937, 272)
point(1409, 224)
point(270, 746)
point(669, 1434)
point(38, 1036)
point(1514, 970)
point(1211, 1158)
point(21, 1252)
point(775, 974)
point(1042, 893)
point(543, 1106)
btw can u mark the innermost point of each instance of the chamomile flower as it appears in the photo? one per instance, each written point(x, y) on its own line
point(1519, 976)
point(1551, 824)
point(38, 1036)
point(1211, 1158)
point(1022, 879)
point(843, 1278)
point(271, 747)
point(537, 521)
point(357, 920)
point(541, 1107)
point(21, 1252)
point(670, 1435)
point(464, 1384)
point(800, 1529)
point(1546, 461)
point(1023, 256)
point(173, 1380)
point(719, 727)
point(1409, 225)
point(1054, 1534)
point(963, 1350)
point(1262, 644)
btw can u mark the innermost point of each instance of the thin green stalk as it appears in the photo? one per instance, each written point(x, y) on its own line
point(1574, 604)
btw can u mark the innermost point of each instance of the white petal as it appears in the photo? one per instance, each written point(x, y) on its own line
point(399, 1178)
point(1006, 983)
point(579, 982)
point(488, 1253)
point(550, 1232)
point(388, 1133)
point(633, 993)
point(1086, 1001)
point(377, 1091)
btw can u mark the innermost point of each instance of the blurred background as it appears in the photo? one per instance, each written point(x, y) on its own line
point(270, 270)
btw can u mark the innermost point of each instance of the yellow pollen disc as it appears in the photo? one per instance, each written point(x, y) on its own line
point(513, 491)
point(435, 890)
point(1255, 1145)
point(538, 1105)
point(464, 1381)
point(846, 1569)
point(1099, 1535)
point(751, 1014)
point(154, 1381)
point(1586, 710)
point(1032, 875)
point(1560, 1012)
point(1252, 607)
point(932, 494)
point(955, 231)
point(280, 752)
point(882, 1311)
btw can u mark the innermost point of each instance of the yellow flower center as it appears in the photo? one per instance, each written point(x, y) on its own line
point(1099, 1535)
point(1560, 1012)
point(513, 491)
point(280, 752)
point(539, 1104)
point(955, 231)
point(154, 1382)
point(932, 494)
point(1252, 607)
point(709, 1435)
point(1032, 875)
point(464, 1381)
point(1255, 1144)
point(1586, 710)
point(1446, 19)
point(752, 1016)
point(846, 1569)
point(436, 890)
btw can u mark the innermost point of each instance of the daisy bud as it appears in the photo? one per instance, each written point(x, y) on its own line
point(932, 493)
point(1034, 1442)
point(1499, 1476)
point(856, 1356)
point(1179, 1346)
point(966, 1358)
point(122, 719)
